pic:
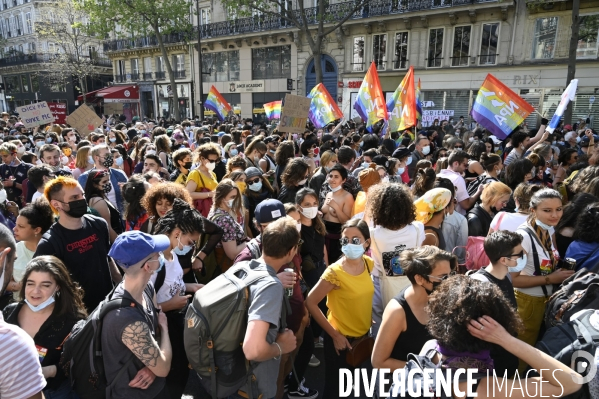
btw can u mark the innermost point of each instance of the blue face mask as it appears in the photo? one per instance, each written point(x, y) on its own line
point(542, 225)
point(400, 171)
point(234, 152)
point(119, 161)
point(90, 160)
point(184, 251)
point(520, 264)
point(42, 305)
point(409, 161)
point(48, 140)
point(256, 186)
point(353, 251)
point(365, 165)
point(161, 262)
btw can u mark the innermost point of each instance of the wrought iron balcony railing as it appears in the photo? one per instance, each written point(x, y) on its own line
point(22, 59)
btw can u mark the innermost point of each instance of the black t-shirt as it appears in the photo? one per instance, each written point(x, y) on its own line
point(85, 254)
point(313, 243)
point(19, 172)
point(504, 285)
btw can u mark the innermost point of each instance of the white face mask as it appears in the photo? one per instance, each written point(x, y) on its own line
point(3, 196)
point(302, 182)
point(230, 203)
point(336, 188)
point(298, 226)
point(64, 159)
point(426, 150)
point(42, 305)
point(310, 212)
point(151, 152)
point(210, 166)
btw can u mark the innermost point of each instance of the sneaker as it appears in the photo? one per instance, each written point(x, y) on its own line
point(319, 343)
point(291, 378)
point(314, 362)
point(303, 393)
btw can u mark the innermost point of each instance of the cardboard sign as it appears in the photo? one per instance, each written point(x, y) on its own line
point(84, 119)
point(295, 114)
point(37, 114)
point(59, 110)
point(113, 108)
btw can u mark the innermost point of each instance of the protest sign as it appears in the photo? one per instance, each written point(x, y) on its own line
point(37, 114)
point(429, 115)
point(84, 119)
point(294, 114)
point(59, 110)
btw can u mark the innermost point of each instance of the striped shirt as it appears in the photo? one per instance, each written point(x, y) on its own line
point(20, 370)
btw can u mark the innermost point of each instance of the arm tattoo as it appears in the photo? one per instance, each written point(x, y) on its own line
point(139, 340)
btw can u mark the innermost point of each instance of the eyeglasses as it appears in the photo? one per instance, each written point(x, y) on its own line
point(256, 180)
point(458, 147)
point(518, 255)
point(345, 241)
point(442, 278)
point(212, 160)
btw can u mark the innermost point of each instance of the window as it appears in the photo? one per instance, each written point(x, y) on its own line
point(13, 85)
point(271, 62)
point(19, 25)
point(135, 66)
point(28, 23)
point(179, 62)
point(159, 64)
point(120, 67)
point(400, 57)
point(358, 55)
point(543, 42)
point(435, 47)
point(31, 48)
point(488, 44)
point(147, 65)
point(379, 51)
point(225, 66)
point(25, 83)
point(461, 45)
point(7, 27)
point(35, 83)
point(51, 48)
point(204, 16)
point(587, 37)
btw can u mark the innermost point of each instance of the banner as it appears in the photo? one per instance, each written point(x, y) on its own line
point(273, 109)
point(37, 114)
point(402, 105)
point(323, 109)
point(59, 110)
point(295, 114)
point(84, 119)
point(499, 109)
point(418, 101)
point(370, 102)
point(568, 95)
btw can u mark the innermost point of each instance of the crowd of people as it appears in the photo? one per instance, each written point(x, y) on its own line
point(152, 213)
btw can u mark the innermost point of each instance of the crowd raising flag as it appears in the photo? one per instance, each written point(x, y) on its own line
point(568, 95)
point(418, 101)
point(402, 105)
point(273, 109)
point(499, 109)
point(323, 109)
point(215, 102)
point(370, 102)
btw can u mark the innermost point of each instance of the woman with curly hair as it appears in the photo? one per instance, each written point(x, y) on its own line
point(51, 303)
point(236, 163)
point(391, 209)
point(583, 179)
point(202, 181)
point(585, 247)
point(158, 200)
point(133, 192)
point(294, 178)
point(403, 328)
point(468, 318)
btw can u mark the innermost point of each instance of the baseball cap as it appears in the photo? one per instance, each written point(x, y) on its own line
point(132, 247)
point(269, 210)
point(252, 172)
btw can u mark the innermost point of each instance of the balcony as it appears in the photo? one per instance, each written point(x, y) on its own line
point(179, 74)
point(160, 75)
point(147, 76)
point(133, 77)
point(22, 59)
point(148, 41)
point(120, 78)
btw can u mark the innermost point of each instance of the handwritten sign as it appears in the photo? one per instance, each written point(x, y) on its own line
point(84, 119)
point(59, 110)
point(37, 114)
point(294, 114)
point(429, 115)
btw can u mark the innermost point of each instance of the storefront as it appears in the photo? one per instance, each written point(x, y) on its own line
point(122, 100)
point(165, 100)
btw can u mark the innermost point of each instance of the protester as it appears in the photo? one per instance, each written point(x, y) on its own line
point(294, 178)
point(258, 189)
point(457, 164)
point(96, 187)
point(337, 209)
point(584, 248)
point(202, 181)
point(431, 211)
point(38, 177)
point(495, 196)
point(511, 221)
point(564, 231)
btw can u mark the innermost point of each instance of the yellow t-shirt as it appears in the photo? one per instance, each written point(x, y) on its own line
point(350, 305)
point(197, 176)
point(359, 204)
point(181, 179)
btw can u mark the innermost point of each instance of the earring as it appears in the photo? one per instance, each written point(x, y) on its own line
point(58, 294)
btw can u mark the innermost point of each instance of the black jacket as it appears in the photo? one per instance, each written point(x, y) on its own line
point(479, 222)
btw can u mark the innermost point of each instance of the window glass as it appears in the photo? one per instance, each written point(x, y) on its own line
point(461, 45)
point(358, 54)
point(379, 51)
point(25, 83)
point(488, 44)
point(435, 48)
point(400, 56)
point(543, 44)
point(587, 36)
point(271, 62)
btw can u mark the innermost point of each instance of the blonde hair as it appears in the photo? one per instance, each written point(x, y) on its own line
point(327, 157)
point(82, 155)
point(494, 191)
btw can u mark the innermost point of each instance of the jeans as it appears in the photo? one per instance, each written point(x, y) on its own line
point(333, 363)
point(377, 306)
point(64, 391)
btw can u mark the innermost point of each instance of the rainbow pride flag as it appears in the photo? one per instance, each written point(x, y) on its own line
point(499, 109)
point(370, 102)
point(323, 109)
point(215, 102)
point(402, 105)
point(273, 109)
point(418, 101)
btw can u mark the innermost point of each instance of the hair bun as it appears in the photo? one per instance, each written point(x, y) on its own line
point(179, 205)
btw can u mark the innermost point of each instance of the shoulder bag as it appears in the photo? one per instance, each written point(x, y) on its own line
point(203, 205)
point(361, 348)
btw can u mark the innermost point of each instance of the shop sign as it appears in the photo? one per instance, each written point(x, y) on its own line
point(354, 84)
point(526, 80)
point(249, 86)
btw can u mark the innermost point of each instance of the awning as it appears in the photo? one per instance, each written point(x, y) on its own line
point(119, 94)
point(90, 95)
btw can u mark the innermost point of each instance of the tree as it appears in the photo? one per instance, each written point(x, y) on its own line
point(326, 21)
point(63, 23)
point(136, 18)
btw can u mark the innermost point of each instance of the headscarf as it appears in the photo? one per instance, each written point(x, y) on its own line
point(431, 202)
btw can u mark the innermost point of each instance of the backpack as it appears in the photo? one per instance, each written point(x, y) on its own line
point(579, 291)
point(476, 257)
point(210, 268)
point(563, 341)
point(474, 184)
point(82, 360)
point(215, 327)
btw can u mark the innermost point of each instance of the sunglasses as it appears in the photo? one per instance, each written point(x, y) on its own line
point(252, 181)
point(458, 147)
point(212, 160)
point(442, 278)
point(345, 241)
point(518, 255)
point(300, 242)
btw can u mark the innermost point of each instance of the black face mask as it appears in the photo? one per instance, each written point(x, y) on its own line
point(435, 284)
point(107, 161)
point(77, 208)
point(493, 209)
point(187, 165)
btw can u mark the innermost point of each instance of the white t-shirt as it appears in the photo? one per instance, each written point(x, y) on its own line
point(459, 183)
point(23, 257)
point(36, 195)
point(173, 281)
point(388, 244)
point(510, 221)
point(544, 261)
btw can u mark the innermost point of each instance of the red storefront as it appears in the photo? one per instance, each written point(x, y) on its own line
point(123, 100)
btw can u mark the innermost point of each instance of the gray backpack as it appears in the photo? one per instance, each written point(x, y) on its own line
point(215, 327)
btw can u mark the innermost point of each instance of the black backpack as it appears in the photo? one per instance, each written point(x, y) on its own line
point(82, 360)
point(578, 292)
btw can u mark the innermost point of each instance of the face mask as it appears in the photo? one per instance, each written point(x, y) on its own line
point(38, 162)
point(241, 185)
point(353, 251)
point(210, 166)
point(336, 188)
point(234, 152)
point(327, 168)
point(577, 139)
point(64, 160)
point(256, 186)
point(365, 165)
point(107, 187)
point(188, 165)
point(560, 142)
point(73, 138)
point(520, 264)
point(361, 144)
point(471, 139)
point(161, 262)
point(90, 160)
point(409, 161)
point(302, 182)
point(107, 161)
point(77, 208)
point(151, 152)
point(143, 131)
point(230, 203)
point(542, 225)
point(298, 226)
point(385, 179)
point(27, 145)
point(3, 197)
point(40, 143)
point(20, 150)
point(112, 139)
point(400, 171)
point(426, 150)
point(42, 305)
point(119, 161)
point(48, 140)
point(310, 212)
point(435, 284)
point(185, 248)
point(187, 128)
point(553, 142)
point(273, 151)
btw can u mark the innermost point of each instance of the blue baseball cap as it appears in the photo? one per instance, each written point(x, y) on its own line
point(269, 210)
point(132, 247)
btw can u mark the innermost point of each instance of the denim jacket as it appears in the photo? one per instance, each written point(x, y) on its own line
point(116, 176)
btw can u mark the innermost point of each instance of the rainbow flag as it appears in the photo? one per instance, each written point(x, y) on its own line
point(370, 102)
point(273, 109)
point(418, 101)
point(499, 109)
point(402, 106)
point(215, 102)
point(323, 109)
